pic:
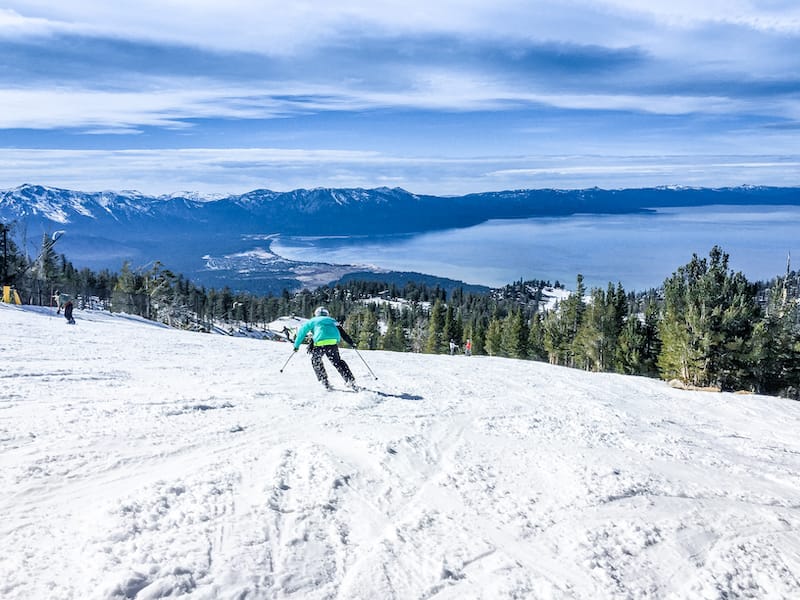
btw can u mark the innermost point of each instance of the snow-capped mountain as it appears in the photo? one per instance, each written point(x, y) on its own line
point(67, 206)
point(315, 211)
point(350, 211)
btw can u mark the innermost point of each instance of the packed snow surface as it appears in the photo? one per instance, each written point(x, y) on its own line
point(142, 462)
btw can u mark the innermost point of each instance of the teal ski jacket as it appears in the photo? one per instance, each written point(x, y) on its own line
point(325, 332)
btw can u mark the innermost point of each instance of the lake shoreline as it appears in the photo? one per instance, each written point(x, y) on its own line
point(638, 250)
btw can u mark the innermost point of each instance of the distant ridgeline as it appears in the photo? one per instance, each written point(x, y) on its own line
point(399, 279)
point(208, 239)
point(329, 211)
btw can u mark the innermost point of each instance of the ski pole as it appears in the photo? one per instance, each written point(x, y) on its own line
point(365, 363)
point(288, 359)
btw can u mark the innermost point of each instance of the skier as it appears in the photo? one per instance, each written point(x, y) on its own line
point(68, 312)
point(326, 334)
point(452, 347)
point(61, 300)
point(468, 348)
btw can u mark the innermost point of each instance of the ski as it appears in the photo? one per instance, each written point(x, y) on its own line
point(350, 388)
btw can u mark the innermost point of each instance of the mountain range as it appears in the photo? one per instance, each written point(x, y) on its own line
point(224, 240)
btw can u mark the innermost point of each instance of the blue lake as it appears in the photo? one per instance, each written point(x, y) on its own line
point(638, 250)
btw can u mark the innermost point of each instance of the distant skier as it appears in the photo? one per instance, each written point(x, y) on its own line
point(468, 348)
point(453, 347)
point(326, 334)
point(61, 300)
point(68, 312)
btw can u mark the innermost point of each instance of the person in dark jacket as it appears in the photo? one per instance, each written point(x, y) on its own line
point(68, 312)
point(326, 335)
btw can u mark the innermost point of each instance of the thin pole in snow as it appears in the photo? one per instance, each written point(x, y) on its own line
point(288, 359)
point(365, 363)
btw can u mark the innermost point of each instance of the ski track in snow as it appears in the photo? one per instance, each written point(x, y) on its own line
point(141, 462)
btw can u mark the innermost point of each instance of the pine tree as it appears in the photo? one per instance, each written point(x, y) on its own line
point(224, 304)
point(47, 267)
point(708, 320)
point(435, 344)
point(638, 344)
point(775, 356)
point(652, 342)
point(631, 351)
point(494, 338)
point(514, 341)
point(458, 330)
point(124, 295)
point(572, 311)
point(597, 343)
point(13, 262)
point(556, 338)
point(536, 345)
point(479, 338)
point(589, 344)
point(395, 337)
point(449, 327)
point(368, 331)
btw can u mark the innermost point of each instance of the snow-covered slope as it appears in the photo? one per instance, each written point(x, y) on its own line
point(142, 462)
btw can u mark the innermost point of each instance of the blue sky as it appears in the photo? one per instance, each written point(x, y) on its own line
point(435, 96)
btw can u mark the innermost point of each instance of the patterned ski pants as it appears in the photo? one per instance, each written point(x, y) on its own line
point(332, 352)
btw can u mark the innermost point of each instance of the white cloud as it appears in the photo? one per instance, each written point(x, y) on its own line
point(251, 25)
point(46, 108)
point(11, 23)
point(16, 24)
point(683, 50)
point(763, 16)
point(170, 103)
point(276, 27)
point(588, 168)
